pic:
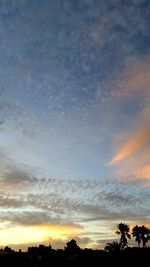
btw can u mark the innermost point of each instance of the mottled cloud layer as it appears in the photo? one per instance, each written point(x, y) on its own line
point(74, 117)
point(68, 208)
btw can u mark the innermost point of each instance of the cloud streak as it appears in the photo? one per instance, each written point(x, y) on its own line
point(135, 142)
point(133, 87)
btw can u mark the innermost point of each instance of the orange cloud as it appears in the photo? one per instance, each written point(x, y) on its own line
point(139, 139)
point(144, 172)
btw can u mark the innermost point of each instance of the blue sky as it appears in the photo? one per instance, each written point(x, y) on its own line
point(74, 117)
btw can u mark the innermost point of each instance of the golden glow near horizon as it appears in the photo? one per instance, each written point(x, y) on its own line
point(33, 234)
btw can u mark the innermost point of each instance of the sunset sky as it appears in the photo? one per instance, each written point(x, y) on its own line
point(74, 120)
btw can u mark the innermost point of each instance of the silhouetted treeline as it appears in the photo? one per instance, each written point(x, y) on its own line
point(114, 254)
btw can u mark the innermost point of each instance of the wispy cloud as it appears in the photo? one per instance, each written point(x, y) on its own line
point(135, 142)
point(134, 86)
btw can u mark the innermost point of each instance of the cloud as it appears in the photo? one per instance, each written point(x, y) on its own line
point(144, 172)
point(28, 200)
point(64, 111)
point(26, 218)
point(55, 243)
point(54, 201)
point(134, 79)
point(54, 210)
point(41, 234)
point(131, 145)
point(14, 176)
point(10, 202)
point(135, 142)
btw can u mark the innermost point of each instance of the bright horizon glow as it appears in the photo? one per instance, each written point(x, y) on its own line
point(36, 234)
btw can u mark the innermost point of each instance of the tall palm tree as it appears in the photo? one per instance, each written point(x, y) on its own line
point(145, 234)
point(136, 232)
point(123, 231)
point(113, 247)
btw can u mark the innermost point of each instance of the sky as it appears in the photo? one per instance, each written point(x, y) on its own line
point(74, 120)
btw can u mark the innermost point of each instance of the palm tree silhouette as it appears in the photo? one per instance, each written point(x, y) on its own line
point(123, 230)
point(114, 247)
point(136, 232)
point(145, 234)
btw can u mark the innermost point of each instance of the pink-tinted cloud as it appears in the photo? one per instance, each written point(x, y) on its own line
point(136, 141)
point(143, 172)
point(131, 154)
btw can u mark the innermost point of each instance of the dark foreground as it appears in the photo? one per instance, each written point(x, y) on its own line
point(85, 257)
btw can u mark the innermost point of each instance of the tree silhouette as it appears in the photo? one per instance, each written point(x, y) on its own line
point(72, 247)
point(145, 234)
point(123, 231)
point(114, 247)
point(136, 232)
